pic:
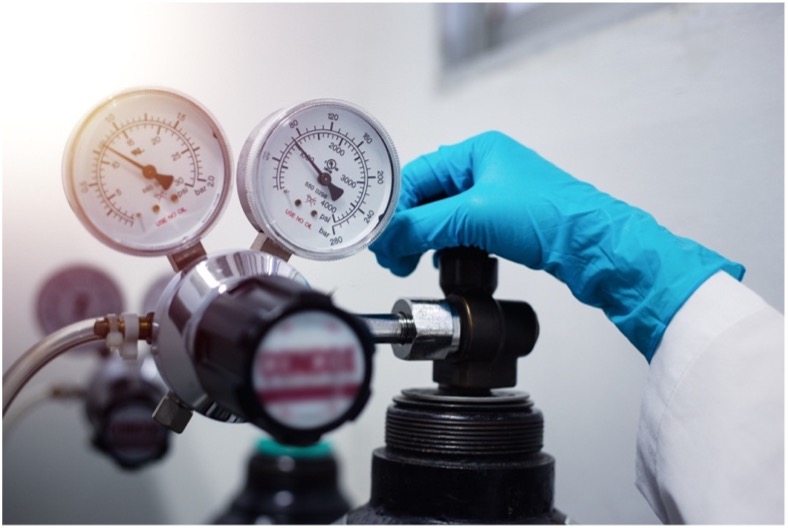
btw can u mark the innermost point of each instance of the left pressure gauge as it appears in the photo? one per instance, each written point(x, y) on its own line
point(148, 171)
point(75, 293)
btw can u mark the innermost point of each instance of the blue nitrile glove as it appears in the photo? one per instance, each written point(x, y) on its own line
point(492, 192)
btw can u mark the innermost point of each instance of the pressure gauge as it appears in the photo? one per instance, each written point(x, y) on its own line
point(76, 293)
point(321, 179)
point(148, 171)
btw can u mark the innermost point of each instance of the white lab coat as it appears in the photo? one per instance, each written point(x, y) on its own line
point(711, 435)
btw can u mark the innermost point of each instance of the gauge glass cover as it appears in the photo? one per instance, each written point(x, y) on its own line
point(148, 171)
point(76, 293)
point(321, 178)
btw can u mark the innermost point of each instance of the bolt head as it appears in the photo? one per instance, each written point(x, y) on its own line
point(171, 414)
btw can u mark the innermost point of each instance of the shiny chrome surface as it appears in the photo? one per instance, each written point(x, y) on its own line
point(180, 308)
point(432, 329)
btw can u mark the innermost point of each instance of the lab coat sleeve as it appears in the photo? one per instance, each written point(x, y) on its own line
point(710, 445)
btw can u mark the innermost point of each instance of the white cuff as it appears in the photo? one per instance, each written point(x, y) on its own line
point(710, 441)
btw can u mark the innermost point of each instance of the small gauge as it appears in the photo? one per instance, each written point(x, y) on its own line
point(148, 172)
point(74, 294)
point(321, 179)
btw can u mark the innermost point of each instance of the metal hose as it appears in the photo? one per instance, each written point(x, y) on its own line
point(36, 357)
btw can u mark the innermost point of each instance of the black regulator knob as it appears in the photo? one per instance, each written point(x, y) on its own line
point(120, 401)
point(283, 357)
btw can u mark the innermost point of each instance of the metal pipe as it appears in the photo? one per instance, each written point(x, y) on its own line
point(36, 357)
point(389, 328)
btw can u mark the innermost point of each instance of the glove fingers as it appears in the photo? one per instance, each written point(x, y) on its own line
point(415, 231)
point(445, 172)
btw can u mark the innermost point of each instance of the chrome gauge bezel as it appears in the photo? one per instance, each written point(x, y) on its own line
point(83, 150)
point(254, 179)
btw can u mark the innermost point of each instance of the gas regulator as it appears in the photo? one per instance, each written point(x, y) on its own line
point(240, 336)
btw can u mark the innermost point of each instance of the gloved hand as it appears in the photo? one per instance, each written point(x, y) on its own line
point(493, 193)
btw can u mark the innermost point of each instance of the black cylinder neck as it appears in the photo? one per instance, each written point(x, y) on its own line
point(429, 422)
point(461, 460)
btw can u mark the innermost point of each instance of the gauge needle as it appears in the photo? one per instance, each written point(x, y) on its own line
point(149, 171)
point(323, 178)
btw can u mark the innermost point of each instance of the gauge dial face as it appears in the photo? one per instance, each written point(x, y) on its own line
point(148, 171)
point(74, 294)
point(320, 178)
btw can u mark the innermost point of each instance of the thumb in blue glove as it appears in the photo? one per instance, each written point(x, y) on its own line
point(496, 194)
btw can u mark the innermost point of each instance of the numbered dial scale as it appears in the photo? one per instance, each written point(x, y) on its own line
point(148, 171)
point(320, 178)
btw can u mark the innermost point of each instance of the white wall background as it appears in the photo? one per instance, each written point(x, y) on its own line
point(678, 111)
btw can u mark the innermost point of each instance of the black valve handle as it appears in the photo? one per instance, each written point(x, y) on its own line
point(283, 357)
point(493, 334)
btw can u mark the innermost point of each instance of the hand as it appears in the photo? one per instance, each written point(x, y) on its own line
point(492, 192)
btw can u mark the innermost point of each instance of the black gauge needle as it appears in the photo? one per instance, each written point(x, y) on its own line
point(149, 171)
point(323, 178)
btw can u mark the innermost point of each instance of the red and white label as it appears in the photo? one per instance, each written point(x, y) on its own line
point(133, 435)
point(308, 369)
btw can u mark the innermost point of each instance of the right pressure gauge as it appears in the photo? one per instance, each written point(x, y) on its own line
point(321, 179)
